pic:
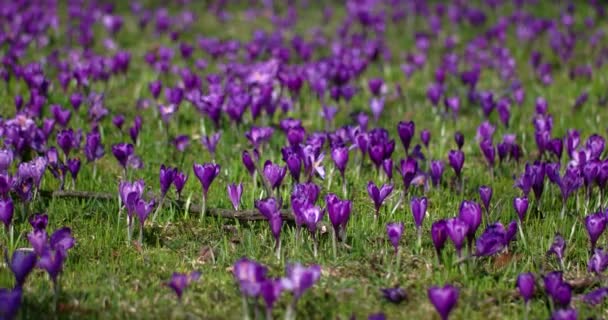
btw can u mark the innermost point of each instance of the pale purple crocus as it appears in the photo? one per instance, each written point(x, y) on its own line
point(206, 173)
point(234, 193)
point(378, 195)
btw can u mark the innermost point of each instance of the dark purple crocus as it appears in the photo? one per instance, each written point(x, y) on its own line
point(439, 235)
point(418, 207)
point(210, 142)
point(485, 194)
point(271, 290)
point(595, 225)
point(564, 314)
point(557, 248)
point(425, 137)
point(521, 207)
point(456, 160)
point(459, 139)
point(21, 264)
point(312, 216)
point(436, 172)
point(166, 177)
point(122, 152)
point(406, 131)
point(443, 299)
point(598, 261)
point(408, 168)
point(10, 302)
point(470, 212)
point(248, 162)
point(180, 281)
point(340, 157)
point(234, 194)
point(526, 285)
point(6, 212)
point(274, 174)
point(488, 151)
point(179, 181)
point(339, 213)
point(378, 195)
point(93, 148)
point(394, 231)
point(492, 241)
point(395, 295)
point(206, 173)
point(457, 230)
point(250, 275)
point(596, 297)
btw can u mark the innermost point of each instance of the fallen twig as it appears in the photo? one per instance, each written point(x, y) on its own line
point(244, 215)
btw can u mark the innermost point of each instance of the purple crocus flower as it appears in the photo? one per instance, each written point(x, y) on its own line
point(492, 241)
point(378, 195)
point(598, 261)
point(180, 281)
point(166, 177)
point(274, 174)
point(122, 152)
point(270, 290)
point(425, 137)
point(206, 173)
point(210, 142)
point(443, 299)
point(179, 181)
point(436, 172)
point(418, 206)
point(406, 131)
point(300, 278)
point(340, 157)
point(596, 297)
point(564, 314)
point(259, 135)
point(595, 225)
point(439, 235)
point(6, 212)
point(268, 207)
point(521, 207)
point(394, 295)
point(457, 230)
point(408, 168)
point(52, 262)
point(394, 231)
point(234, 193)
point(526, 285)
point(456, 160)
point(459, 139)
point(250, 276)
point(339, 213)
point(485, 194)
point(21, 264)
point(248, 162)
point(93, 149)
point(557, 248)
point(470, 212)
point(10, 302)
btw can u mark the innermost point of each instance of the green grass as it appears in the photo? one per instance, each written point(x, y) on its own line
point(106, 277)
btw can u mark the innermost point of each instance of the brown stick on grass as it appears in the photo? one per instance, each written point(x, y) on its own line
point(244, 215)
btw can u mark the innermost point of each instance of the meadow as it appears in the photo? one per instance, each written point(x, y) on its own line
point(360, 159)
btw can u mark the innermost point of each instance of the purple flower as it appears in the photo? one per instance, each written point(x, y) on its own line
point(598, 261)
point(425, 137)
point(300, 278)
point(436, 172)
point(10, 302)
point(489, 152)
point(459, 139)
point(376, 104)
point(312, 215)
point(6, 159)
point(456, 160)
point(491, 241)
point(485, 194)
point(394, 295)
point(6, 212)
point(166, 177)
point(234, 193)
point(250, 276)
point(180, 281)
point(439, 235)
point(271, 290)
point(179, 182)
point(122, 152)
point(248, 162)
point(274, 174)
point(418, 206)
point(52, 262)
point(444, 299)
point(338, 211)
point(596, 296)
point(210, 142)
point(408, 169)
point(457, 230)
point(595, 225)
point(394, 231)
point(259, 135)
point(521, 207)
point(268, 207)
point(378, 195)
point(143, 210)
point(340, 157)
point(470, 213)
point(406, 131)
point(206, 173)
point(558, 247)
point(21, 264)
point(564, 314)
point(526, 284)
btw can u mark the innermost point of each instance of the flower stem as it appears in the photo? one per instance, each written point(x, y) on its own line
point(521, 234)
point(333, 243)
point(315, 246)
point(160, 205)
point(141, 234)
point(245, 308)
point(278, 249)
point(203, 205)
